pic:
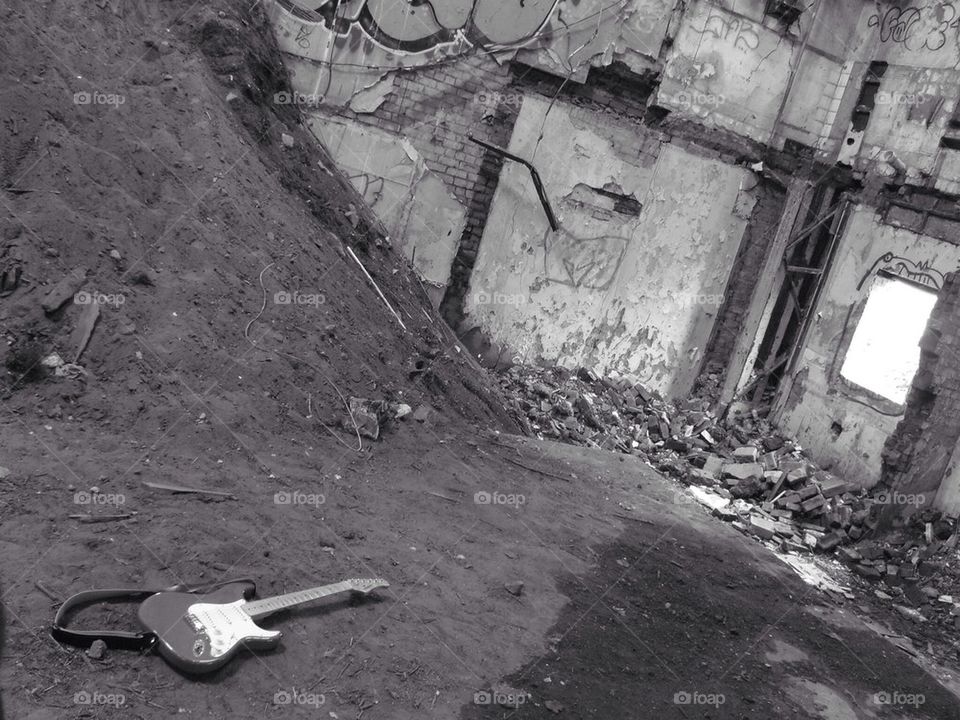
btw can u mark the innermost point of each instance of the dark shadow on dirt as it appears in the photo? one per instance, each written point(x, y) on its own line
point(675, 623)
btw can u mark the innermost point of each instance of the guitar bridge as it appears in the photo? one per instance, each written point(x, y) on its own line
point(194, 623)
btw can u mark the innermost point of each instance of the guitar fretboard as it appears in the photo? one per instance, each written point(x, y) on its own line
point(259, 608)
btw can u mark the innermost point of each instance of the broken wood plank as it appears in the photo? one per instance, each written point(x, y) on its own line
point(84, 518)
point(442, 496)
point(170, 487)
point(537, 470)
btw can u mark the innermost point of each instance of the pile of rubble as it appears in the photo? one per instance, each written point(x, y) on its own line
point(746, 472)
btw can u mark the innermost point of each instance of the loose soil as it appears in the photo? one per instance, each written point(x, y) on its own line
point(188, 202)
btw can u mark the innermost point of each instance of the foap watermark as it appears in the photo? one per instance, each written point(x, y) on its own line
point(296, 497)
point(499, 697)
point(283, 297)
point(901, 699)
point(85, 697)
point(692, 697)
point(690, 299)
point(98, 498)
point(498, 498)
point(895, 497)
point(98, 298)
point(694, 98)
point(498, 298)
point(98, 98)
point(898, 98)
point(489, 98)
point(298, 697)
point(297, 98)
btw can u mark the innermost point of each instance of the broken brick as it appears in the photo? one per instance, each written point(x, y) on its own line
point(742, 471)
point(850, 554)
point(868, 571)
point(796, 476)
point(770, 461)
point(828, 542)
point(713, 465)
point(762, 528)
point(746, 454)
point(832, 487)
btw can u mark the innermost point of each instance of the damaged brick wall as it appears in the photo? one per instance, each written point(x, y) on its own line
point(746, 270)
point(437, 108)
point(916, 455)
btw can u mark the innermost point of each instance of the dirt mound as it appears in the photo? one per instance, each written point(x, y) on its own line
point(150, 172)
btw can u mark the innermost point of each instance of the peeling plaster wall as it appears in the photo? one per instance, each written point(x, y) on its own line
point(727, 70)
point(917, 95)
point(818, 396)
point(592, 33)
point(910, 115)
point(422, 217)
point(816, 114)
point(612, 290)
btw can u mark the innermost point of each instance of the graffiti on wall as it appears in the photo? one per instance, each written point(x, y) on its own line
point(927, 27)
point(727, 71)
point(742, 34)
point(418, 26)
point(346, 47)
point(922, 272)
point(580, 262)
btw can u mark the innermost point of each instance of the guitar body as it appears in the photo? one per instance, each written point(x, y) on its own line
point(201, 633)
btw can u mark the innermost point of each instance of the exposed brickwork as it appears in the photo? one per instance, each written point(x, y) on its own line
point(746, 270)
point(916, 455)
point(437, 108)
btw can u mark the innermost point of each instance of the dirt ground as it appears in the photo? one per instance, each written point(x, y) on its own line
point(633, 597)
point(188, 211)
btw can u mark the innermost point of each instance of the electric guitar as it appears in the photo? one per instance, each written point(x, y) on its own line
point(201, 633)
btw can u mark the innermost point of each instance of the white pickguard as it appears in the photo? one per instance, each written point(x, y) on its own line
point(226, 625)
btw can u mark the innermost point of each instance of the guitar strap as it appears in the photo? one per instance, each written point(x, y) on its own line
point(120, 639)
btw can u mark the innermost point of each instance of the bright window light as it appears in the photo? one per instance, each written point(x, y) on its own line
point(884, 353)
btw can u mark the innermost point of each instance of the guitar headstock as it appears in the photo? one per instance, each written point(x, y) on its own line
point(367, 585)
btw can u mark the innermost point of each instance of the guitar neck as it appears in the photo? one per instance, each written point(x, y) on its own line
point(259, 608)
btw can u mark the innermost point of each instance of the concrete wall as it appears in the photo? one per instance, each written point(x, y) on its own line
point(816, 113)
point(909, 117)
point(423, 218)
point(728, 70)
point(618, 288)
point(842, 425)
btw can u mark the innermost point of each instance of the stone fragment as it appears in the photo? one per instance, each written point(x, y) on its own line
point(97, 650)
point(514, 587)
point(63, 290)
